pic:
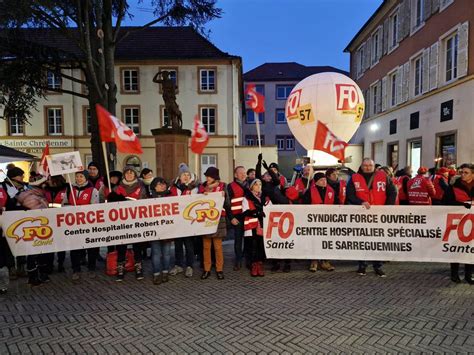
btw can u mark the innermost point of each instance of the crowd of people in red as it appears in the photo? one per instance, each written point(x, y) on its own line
point(241, 220)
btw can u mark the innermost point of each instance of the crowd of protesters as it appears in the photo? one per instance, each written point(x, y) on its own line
point(241, 220)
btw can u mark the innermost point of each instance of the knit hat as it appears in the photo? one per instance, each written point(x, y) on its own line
point(254, 182)
point(117, 174)
point(274, 165)
point(422, 170)
point(83, 172)
point(183, 168)
point(93, 163)
point(14, 172)
point(212, 172)
point(443, 170)
point(318, 176)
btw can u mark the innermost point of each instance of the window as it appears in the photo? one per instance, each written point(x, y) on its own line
point(446, 149)
point(16, 126)
point(87, 120)
point(444, 4)
point(451, 57)
point(252, 140)
point(250, 117)
point(207, 80)
point(131, 117)
point(360, 61)
point(54, 116)
point(418, 70)
point(415, 120)
point(393, 126)
point(283, 91)
point(392, 151)
point(207, 160)
point(418, 11)
point(285, 143)
point(130, 82)
point(393, 89)
point(53, 81)
point(280, 115)
point(414, 154)
point(375, 48)
point(208, 119)
point(393, 31)
point(374, 99)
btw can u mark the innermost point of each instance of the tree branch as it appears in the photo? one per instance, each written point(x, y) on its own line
point(159, 19)
point(46, 88)
point(120, 16)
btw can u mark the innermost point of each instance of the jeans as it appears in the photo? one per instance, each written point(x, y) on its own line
point(160, 248)
point(238, 233)
point(76, 256)
point(188, 243)
point(376, 264)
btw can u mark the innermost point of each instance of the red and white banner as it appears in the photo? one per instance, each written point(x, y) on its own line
point(43, 168)
point(399, 233)
point(199, 138)
point(68, 228)
point(327, 142)
point(113, 130)
point(256, 101)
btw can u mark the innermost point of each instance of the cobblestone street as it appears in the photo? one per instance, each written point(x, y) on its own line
point(415, 309)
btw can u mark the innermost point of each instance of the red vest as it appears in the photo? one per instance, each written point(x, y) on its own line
point(402, 196)
point(237, 198)
point(439, 191)
point(342, 191)
point(218, 188)
point(135, 194)
point(174, 191)
point(300, 185)
point(376, 195)
point(83, 197)
point(251, 222)
point(58, 199)
point(461, 195)
point(328, 198)
point(282, 181)
point(419, 191)
point(3, 197)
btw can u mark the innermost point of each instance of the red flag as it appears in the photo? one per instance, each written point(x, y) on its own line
point(43, 168)
point(256, 101)
point(113, 130)
point(199, 138)
point(327, 142)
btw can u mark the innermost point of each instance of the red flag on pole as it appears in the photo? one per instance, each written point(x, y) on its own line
point(43, 168)
point(113, 130)
point(327, 142)
point(199, 138)
point(256, 101)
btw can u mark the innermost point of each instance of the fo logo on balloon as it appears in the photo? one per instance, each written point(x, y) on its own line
point(292, 104)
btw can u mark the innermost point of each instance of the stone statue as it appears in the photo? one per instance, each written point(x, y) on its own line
point(169, 97)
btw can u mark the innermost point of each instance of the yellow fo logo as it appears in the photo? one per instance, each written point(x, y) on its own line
point(28, 230)
point(201, 211)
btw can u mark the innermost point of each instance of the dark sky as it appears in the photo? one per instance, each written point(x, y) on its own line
point(310, 32)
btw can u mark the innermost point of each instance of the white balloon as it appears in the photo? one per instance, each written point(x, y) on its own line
point(331, 98)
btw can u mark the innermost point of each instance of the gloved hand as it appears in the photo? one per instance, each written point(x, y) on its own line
point(468, 205)
point(260, 157)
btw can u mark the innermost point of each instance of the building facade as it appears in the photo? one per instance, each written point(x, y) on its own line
point(275, 81)
point(209, 84)
point(414, 61)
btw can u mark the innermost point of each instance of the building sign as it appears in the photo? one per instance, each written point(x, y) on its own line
point(36, 143)
point(447, 111)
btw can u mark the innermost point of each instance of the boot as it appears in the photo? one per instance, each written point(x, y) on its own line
point(261, 269)
point(120, 272)
point(254, 270)
point(33, 277)
point(138, 271)
point(455, 273)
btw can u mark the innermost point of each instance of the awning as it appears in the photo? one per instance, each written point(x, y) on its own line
point(8, 155)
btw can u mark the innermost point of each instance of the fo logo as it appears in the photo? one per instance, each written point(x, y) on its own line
point(347, 97)
point(27, 229)
point(463, 225)
point(292, 104)
point(201, 211)
point(284, 222)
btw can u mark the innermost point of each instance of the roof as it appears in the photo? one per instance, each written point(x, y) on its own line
point(365, 25)
point(289, 71)
point(8, 154)
point(149, 43)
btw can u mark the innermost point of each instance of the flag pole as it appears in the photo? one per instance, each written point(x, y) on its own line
point(106, 159)
point(72, 190)
point(257, 123)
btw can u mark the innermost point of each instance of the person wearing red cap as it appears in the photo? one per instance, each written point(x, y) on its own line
point(321, 193)
point(441, 185)
point(420, 188)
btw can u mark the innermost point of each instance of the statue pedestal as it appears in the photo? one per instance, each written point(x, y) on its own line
point(171, 150)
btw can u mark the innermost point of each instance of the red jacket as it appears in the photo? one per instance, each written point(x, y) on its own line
point(376, 194)
point(58, 198)
point(437, 186)
point(316, 196)
point(83, 197)
point(3, 197)
point(420, 191)
point(399, 182)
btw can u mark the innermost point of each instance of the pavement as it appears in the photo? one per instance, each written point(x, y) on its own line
point(416, 308)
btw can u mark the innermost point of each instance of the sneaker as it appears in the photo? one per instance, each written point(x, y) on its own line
point(326, 266)
point(44, 278)
point(189, 272)
point(456, 279)
point(76, 277)
point(220, 275)
point(205, 275)
point(470, 280)
point(165, 277)
point(176, 270)
point(120, 272)
point(286, 267)
point(380, 273)
point(34, 281)
point(361, 271)
point(157, 279)
point(138, 271)
point(313, 267)
point(91, 274)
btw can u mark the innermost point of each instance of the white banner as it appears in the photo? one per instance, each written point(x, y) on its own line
point(68, 228)
point(398, 233)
